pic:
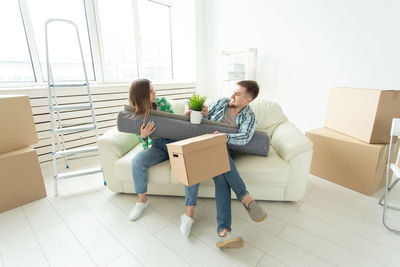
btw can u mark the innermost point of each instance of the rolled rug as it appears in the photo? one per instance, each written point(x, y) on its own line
point(178, 127)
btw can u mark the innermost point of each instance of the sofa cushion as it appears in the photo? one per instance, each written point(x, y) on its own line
point(253, 169)
point(268, 115)
point(260, 170)
point(178, 106)
point(263, 170)
point(158, 174)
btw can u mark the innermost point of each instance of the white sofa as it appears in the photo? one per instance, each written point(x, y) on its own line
point(282, 175)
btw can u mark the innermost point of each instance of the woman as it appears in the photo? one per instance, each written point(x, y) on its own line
point(143, 97)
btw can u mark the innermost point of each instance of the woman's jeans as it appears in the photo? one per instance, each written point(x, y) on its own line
point(157, 153)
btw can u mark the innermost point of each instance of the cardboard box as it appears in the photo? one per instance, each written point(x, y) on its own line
point(21, 179)
point(365, 114)
point(16, 120)
point(348, 161)
point(199, 158)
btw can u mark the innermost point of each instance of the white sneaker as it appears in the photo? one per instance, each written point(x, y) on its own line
point(229, 241)
point(138, 210)
point(186, 225)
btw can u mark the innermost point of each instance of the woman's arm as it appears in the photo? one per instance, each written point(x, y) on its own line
point(145, 131)
point(164, 105)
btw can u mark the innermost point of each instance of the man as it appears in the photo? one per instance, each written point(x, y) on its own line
point(236, 112)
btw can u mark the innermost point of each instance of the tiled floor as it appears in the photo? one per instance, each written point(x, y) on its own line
point(87, 225)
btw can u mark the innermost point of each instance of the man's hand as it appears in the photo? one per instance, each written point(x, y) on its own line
point(204, 111)
point(147, 130)
point(216, 132)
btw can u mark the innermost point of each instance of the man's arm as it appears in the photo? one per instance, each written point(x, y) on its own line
point(214, 107)
point(246, 132)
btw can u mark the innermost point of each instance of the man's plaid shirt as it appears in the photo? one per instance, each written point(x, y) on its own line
point(245, 120)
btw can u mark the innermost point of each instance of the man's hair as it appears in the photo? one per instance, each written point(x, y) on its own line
point(251, 87)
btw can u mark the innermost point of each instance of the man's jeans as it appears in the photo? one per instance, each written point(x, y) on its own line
point(157, 153)
point(223, 185)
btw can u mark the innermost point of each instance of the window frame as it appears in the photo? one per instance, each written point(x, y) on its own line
point(27, 28)
point(137, 34)
point(94, 39)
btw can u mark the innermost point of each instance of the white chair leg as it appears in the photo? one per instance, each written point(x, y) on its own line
point(382, 200)
point(388, 188)
point(385, 207)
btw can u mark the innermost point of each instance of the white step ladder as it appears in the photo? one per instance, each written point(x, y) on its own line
point(56, 109)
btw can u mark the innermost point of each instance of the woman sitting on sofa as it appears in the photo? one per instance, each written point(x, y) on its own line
point(143, 97)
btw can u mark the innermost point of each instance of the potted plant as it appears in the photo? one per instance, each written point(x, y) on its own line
point(195, 104)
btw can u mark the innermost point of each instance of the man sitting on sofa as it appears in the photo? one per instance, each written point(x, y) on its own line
point(236, 112)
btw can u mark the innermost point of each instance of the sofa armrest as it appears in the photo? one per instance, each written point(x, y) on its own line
point(117, 142)
point(112, 146)
point(288, 141)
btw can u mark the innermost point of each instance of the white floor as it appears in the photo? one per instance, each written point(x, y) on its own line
point(87, 225)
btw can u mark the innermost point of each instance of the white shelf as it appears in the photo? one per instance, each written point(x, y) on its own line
point(236, 66)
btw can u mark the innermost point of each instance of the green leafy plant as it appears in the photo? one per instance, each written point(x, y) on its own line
point(196, 102)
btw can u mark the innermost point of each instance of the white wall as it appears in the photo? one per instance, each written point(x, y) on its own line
point(183, 39)
point(200, 47)
point(304, 48)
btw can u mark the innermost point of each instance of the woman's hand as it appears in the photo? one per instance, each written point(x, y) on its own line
point(147, 130)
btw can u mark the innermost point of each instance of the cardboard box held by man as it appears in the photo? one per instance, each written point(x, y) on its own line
point(196, 159)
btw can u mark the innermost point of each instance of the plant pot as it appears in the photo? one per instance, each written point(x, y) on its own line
point(195, 117)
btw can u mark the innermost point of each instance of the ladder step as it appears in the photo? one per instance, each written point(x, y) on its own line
point(78, 173)
point(72, 107)
point(75, 151)
point(69, 85)
point(74, 129)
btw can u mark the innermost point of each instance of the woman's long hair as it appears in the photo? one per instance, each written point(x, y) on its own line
point(139, 97)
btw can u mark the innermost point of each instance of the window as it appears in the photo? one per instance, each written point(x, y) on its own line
point(122, 28)
point(121, 40)
point(118, 40)
point(64, 52)
point(15, 61)
point(155, 34)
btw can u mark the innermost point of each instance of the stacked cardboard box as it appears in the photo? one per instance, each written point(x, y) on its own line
point(21, 179)
point(352, 149)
